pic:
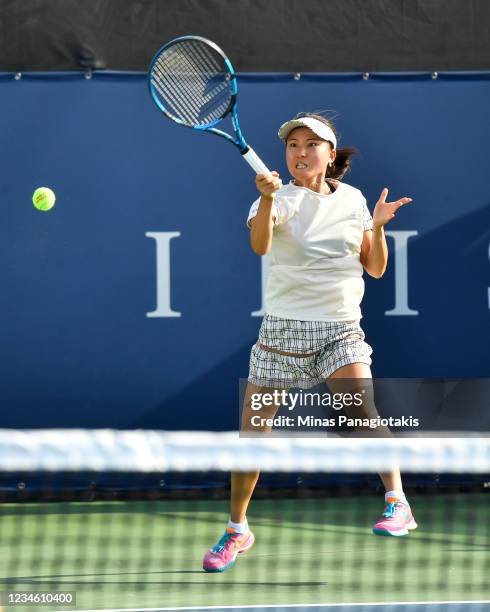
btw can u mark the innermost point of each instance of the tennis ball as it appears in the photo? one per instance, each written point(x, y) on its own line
point(43, 198)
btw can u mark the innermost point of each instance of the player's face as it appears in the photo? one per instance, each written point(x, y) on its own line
point(307, 155)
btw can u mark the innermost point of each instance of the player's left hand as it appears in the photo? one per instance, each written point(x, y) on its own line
point(385, 211)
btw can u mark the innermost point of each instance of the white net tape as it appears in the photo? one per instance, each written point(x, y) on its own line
point(155, 451)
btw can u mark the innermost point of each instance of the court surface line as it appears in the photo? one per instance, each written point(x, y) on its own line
point(346, 606)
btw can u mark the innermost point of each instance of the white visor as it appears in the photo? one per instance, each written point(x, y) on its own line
point(321, 129)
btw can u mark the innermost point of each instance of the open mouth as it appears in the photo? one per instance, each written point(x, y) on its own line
point(301, 166)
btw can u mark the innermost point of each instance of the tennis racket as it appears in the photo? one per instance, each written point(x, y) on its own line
point(193, 83)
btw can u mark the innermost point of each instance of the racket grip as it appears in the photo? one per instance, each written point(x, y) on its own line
point(251, 157)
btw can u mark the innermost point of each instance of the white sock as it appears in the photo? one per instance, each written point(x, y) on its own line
point(239, 527)
point(398, 494)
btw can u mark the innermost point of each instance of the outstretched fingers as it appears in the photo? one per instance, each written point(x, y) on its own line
point(396, 205)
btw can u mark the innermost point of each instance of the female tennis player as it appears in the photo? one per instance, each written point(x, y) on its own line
point(321, 237)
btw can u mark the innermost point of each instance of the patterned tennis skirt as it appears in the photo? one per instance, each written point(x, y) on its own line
point(334, 344)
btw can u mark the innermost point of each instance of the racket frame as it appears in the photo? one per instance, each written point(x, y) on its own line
point(246, 151)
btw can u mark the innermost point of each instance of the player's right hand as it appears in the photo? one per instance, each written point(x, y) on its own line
point(268, 184)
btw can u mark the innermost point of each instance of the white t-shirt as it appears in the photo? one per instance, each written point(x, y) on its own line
point(315, 271)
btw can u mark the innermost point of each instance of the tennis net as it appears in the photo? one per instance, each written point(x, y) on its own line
point(122, 520)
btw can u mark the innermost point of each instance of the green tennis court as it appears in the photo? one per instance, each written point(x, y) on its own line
point(148, 554)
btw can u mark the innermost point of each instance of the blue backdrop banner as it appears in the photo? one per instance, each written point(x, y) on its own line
point(135, 301)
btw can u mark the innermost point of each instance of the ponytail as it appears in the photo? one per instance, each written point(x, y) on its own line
point(342, 164)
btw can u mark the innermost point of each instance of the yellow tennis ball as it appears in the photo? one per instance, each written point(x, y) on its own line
point(43, 198)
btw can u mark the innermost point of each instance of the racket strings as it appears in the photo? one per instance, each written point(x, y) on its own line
point(214, 68)
point(217, 87)
point(209, 87)
point(171, 87)
point(184, 78)
point(179, 92)
point(192, 83)
point(173, 95)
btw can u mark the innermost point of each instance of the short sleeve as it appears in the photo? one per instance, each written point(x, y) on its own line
point(255, 207)
point(367, 220)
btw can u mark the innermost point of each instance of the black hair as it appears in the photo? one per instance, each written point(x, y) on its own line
point(342, 164)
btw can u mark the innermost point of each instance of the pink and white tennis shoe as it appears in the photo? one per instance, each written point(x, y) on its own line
point(396, 520)
point(223, 556)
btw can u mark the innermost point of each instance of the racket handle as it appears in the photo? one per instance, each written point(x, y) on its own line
point(251, 157)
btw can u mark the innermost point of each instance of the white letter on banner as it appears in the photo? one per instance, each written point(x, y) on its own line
point(163, 274)
point(264, 274)
point(401, 274)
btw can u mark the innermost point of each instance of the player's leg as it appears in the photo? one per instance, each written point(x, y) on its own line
point(357, 378)
point(397, 518)
point(271, 371)
point(279, 360)
point(238, 538)
point(253, 421)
